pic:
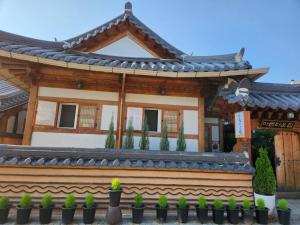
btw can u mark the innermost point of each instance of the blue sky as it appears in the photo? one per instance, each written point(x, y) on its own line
point(268, 29)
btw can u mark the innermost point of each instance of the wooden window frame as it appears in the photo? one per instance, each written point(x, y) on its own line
point(95, 117)
point(178, 119)
point(158, 122)
point(76, 115)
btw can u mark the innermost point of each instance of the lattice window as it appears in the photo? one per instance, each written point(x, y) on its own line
point(171, 118)
point(87, 116)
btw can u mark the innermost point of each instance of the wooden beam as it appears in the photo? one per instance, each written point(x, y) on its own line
point(201, 124)
point(121, 113)
point(31, 111)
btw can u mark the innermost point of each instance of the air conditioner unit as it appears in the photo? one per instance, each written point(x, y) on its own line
point(215, 147)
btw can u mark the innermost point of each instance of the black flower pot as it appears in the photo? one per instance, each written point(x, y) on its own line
point(4, 215)
point(284, 217)
point(23, 215)
point(233, 215)
point(45, 215)
point(88, 214)
point(247, 214)
point(218, 215)
point(261, 215)
point(114, 197)
point(68, 215)
point(137, 214)
point(202, 213)
point(183, 214)
point(161, 213)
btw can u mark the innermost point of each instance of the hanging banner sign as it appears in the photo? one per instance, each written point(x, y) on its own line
point(277, 124)
point(242, 124)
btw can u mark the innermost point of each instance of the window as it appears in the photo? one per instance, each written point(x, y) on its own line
point(87, 116)
point(46, 112)
point(67, 115)
point(21, 122)
point(10, 124)
point(152, 119)
point(171, 118)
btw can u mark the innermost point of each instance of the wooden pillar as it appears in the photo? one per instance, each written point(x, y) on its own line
point(31, 110)
point(201, 124)
point(121, 108)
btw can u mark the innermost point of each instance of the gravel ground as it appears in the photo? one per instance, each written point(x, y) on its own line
point(149, 218)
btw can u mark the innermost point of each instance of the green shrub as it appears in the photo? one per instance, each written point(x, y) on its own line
point(4, 201)
point(202, 202)
point(182, 202)
point(70, 201)
point(232, 203)
point(110, 139)
point(138, 200)
point(115, 184)
point(181, 144)
point(89, 200)
point(260, 203)
point(25, 201)
point(129, 140)
point(164, 141)
point(163, 202)
point(46, 201)
point(144, 141)
point(283, 204)
point(246, 204)
point(264, 182)
point(218, 203)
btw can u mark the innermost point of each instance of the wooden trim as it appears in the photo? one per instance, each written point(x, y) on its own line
point(161, 106)
point(121, 109)
point(78, 101)
point(31, 113)
point(201, 124)
point(42, 128)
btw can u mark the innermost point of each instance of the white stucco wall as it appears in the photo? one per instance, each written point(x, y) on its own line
point(80, 94)
point(125, 46)
point(190, 121)
point(159, 99)
point(50, 139)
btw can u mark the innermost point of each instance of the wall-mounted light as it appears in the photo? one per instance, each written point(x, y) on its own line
point(162, 91)
point(79, 84)
point(290, 115)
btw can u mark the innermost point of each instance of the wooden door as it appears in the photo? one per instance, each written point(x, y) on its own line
point(287, 150)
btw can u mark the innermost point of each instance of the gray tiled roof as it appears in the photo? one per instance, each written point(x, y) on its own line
point(263, 95)
point(11, 96)
point(42, 156)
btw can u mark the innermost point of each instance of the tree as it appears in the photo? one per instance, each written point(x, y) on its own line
point(110, 139)
point(164, 142)
point(264, 182)
point(144, 141)
point(181, 145)
point(129, 141)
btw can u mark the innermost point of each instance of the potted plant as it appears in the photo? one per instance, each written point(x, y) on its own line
point(89, 209)
point(247, 211)
point(233, 211)
point(218, 211)
point(115, 192)
point(162, 209)
point(261, 211)
point(68, 209)
point(202, 209)
point(182, 210)
point(264, 182)
point(283, 212)
point(137, 209)
point(24, 209)
point(4, 209)
point(46, 208)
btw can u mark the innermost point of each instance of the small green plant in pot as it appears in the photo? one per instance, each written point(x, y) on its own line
point(24, 209)
point(283, 212)
point(162, 208)
point(233, 211)
point(89, 209)
point(68, 209)
point(218, 211)
point(4, 209)
point(247, 211)
point(182, 210)
point(115, 192)
point(138, 209)
point(202, 209)
point(46, 207)
point(261, 211)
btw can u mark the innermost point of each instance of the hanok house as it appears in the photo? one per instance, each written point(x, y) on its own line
point(122, 70)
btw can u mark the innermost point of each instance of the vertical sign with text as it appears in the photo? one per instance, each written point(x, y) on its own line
point(242, 124)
